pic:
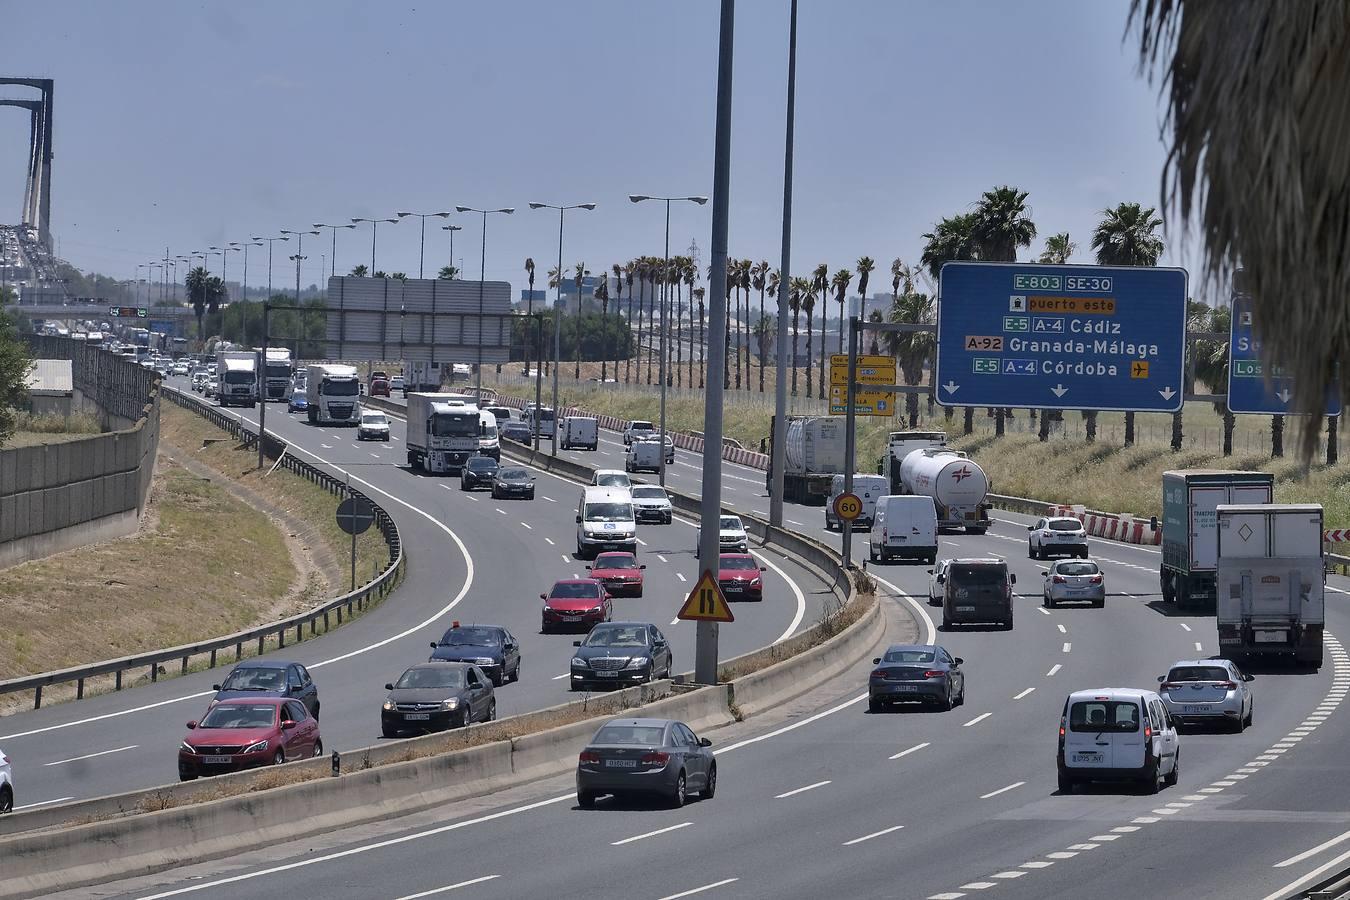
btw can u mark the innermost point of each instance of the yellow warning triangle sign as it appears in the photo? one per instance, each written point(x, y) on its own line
point(706, 602)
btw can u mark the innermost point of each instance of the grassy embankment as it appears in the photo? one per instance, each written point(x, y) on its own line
point(31, 430)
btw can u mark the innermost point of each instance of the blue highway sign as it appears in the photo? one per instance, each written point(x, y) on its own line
point(1061, 337)
point(1251, 389)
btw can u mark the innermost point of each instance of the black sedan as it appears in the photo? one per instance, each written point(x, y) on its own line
point(269, 678)
point(512, 481)
point(925, 673)
point(435, 695)
point(646, 756)
point(515, 430)
point(619, 654)
point(478, 472)
point(489, 647)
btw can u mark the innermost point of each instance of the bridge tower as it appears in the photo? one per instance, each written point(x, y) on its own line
point(37, 195)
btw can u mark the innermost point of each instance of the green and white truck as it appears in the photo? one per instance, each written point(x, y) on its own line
point(1190, 546)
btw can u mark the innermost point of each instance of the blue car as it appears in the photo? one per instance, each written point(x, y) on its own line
point(489, 647)
point(297, 403)
point(269, 678)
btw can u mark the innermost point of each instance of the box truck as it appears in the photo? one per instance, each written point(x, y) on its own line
point(443, 432)
point(237, 377)
point(277, 372)
point(333, 392)
point(1190, 536)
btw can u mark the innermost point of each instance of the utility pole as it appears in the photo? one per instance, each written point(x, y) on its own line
point(778, 443)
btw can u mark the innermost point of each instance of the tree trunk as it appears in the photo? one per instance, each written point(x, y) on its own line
point(761, 344)
point(1043, 433)
point(1229, 420)
point(912, 407)
point(1090, 423)
point(702, 345)
point(793, 362)
point(810, 364)
point(969, 425)
point(651, 331)
point(1176, 430)
point(1129, 429)
point(1333, 451)
point(726, 352)
point(1276, 436)
point(998, 422)
point(824, 356)
point(679, 348)
point(738, 338)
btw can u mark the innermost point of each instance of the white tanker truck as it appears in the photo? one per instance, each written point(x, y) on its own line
point(957, 485)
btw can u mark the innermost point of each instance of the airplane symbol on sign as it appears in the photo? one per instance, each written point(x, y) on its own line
point(1140, 369)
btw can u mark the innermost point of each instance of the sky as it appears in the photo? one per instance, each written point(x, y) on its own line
point(185, 124)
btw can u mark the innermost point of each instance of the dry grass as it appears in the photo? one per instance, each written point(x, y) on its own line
point(834, 618)
point(32, 430)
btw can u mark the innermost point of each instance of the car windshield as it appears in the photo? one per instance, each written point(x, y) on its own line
point(348, 388)
point(1065, 525)
point(640, 735)
point(617, 636)
point(609, 512)
point(649, 493)
point(513, 474)
point(1199, 673)
point(374, 419)
point(980, 576)
point(255, 679)
point(908, 656)
point(574, 590)
point(239, 715)
point(546, 415)
point(1077, 568)
point(454, 425)
point(482, 464)
point(616, 561)
point(431, 677)
point(612, 479)
point(1104, 715)
point(642, 426)
point(470, 637)
point(730, 523)
point(737, 563)
point(233, 377)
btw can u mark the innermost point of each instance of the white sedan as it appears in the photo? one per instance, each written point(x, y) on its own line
point(1057, 535)
point(937, 582)
point(374, 426)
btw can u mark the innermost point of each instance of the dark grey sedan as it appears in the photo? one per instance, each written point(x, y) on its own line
point(512, 481)
point(650, 757)
point(435, 695)
point(269, 678)
point(925, 673)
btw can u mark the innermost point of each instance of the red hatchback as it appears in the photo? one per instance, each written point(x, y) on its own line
point(576, 604)
point(738, 574)
point(245, 734)
point(620, 573)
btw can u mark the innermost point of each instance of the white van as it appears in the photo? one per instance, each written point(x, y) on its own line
point(605, 521)
point(868, 488)
point(579, 432)
point(904, 526)
point(643, 455)
point(1117, 734)
point(545, 416)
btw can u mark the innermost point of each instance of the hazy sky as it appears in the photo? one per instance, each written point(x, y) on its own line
point(188, 124)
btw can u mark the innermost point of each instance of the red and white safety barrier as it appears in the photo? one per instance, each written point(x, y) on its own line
point(1112, 526)
point(1336, 535)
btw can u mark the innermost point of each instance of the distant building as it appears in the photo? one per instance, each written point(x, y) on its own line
point(535, 296)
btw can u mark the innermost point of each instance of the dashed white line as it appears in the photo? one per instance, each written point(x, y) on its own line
point(913, 749)
point(875, 834)
point(565, 557)
point(560, 677)
point(1068, 645)
point(1185, 627)
point(1053, 669)
point(643, 837)
point(550, 500)
point(550, 541)
point(698, 890)
point(1003, 790)
point(1042, 610)
point(1062, 854)
point(801, 790)
point(642, 542)
point(500, 510)
point(326, 446)
point(1036, 864)
point(980, 718)
point(977, 886)
point(1011, 873)
point(527, 525)
point(376, 455)
point(61, 762)
point(662, 558)
point(471, 497)
point(448, 888)
point(675, 621)
point(1022, 694)
point(1062, 629)
point(1199, 647)
point(680, 576)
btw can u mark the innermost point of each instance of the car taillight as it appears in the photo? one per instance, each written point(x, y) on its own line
point(655, 758)
point(878, 673)
point(1095, 579)
point(884, 535)
point(1148, 731)
point(1228, 685)
point(933, 673)
point(588, 757)
point(1170, 686)
point(1059, 579)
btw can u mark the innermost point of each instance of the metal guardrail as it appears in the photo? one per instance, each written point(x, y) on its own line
point(351, 602)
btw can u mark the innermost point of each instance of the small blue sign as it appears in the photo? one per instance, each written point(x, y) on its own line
point(1061, 337)
point(1251, 389)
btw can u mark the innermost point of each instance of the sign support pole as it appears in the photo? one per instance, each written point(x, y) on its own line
point(349, 494)
point(850, 433)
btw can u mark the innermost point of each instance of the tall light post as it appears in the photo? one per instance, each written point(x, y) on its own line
point(452, 229)
point(235, 245)
point(482, 275)
point(422, 245)
point(665, 300)
point(149, 268)
point(299, 244)
point(557, 319)
point(187, 267)
point(270, 241)
point(332, 261)
point(374, 223)
point(136, 294)
point(777, 462)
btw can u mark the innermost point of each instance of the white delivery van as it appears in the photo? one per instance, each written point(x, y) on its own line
point(540, 417)
point(643, 456)
point(579, 433)
point(904, 525)
point(868, 488)
point(1117, 734)
point(605, 521)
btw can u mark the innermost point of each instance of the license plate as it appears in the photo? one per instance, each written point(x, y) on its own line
point(1087, 757)
point(571, 618)
point(906, 688)
point(1077, 590)
point(965, 609)
point(1194, 710)
point(1270, 637)
point(608, 674)
point(417, 717)
point(621, 763)
point(731, 588)
point(217, 760)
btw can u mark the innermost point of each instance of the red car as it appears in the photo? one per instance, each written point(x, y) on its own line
point(619, 573)
point(379, 387)
point(576, 604)
point(244, 734)
point(738, 574)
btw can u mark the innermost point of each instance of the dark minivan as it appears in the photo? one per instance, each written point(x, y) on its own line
point(978, 590)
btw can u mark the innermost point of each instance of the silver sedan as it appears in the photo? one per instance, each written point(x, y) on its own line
point(1208, 691)
point(1074, 580)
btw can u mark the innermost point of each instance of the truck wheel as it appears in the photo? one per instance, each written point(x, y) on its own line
point(976, 530)
point(1169, 593)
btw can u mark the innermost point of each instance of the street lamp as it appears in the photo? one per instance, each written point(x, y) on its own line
point(452, 229)
point(422, 247)
point(187, 267)
point(333, 259)
point(665, 299)
point(235, 245)
point(482, 273)
point(224, 260)
point(270, 241)
point(374, 223)
point(557, 319)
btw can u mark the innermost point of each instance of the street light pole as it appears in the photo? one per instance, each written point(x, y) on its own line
point(332, 261)
point(422, 244)
point(374, 223)
point(270, 241)
point(452, 229)
point(665, 327)
point(777, 461)
point(482, 275)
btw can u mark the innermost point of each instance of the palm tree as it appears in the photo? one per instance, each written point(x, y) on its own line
point(773, 286)
point(359, 271)
point(627, 360)
point(820, 282)
point(809, 307)
point(1058, 249)
point(450, 273)
point(743, 281)
point(578, 279)
point(649, 270)
point(865, 266)
point(797, 289)
point(702, 345)
point(726, 354)
point(602, 294)
point(950, 240)
point(875, 316)
point(1002, 225)
point(842, 279)
point(380, 273)
point(689, 271)
point(1211, 367)
point(553, 282)
point(912, 349)
point(1125, 237)
point(764, 331)
point(198, 296)
point(759, 281)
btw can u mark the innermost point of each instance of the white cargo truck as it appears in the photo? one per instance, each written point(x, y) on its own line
point(813, 455)
point(1270, 578)
point(442, 432)
point(333, 392)
point(579, 433)
point(277, 373)
point(237, 375)
point(956, 483)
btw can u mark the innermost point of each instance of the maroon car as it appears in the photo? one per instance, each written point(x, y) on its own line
point(620, 573)
point(738, 574)
point(243, 734)
point(576, 604)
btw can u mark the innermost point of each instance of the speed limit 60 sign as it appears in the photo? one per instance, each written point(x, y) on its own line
point(848, 506)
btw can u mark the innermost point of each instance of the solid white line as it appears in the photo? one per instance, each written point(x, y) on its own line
point(60, 762)
point(640, 837)
point(1062, 629)
point(980, 718)
point(1053, 669)
point(796, 592)
point(1185, 627)
point(1003, 790)
point(1338, 839)
point(699, 890)
point(1023, 693)
point(918, 608)
point(910, 750)
point(560, 677)
point(1292, 886)
point(875, 834)
point(1068, 645)
point(794, 726)
point(448, 887)
point(801, 790)
point(43, 803)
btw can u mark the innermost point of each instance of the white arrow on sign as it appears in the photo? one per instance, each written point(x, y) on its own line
point(1167, 393)
point(1059, 390)
point(1284, 395)
point(951, 387)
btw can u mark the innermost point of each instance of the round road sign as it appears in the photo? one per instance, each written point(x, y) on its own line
point(355, 515)
point(848, 506)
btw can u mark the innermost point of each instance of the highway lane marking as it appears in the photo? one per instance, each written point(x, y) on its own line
point(61, 762)
point(376, 455)
point(1062, 629)
point(550, 541)
point(1185, 627)
point(1042, 610)
point(470, 496)
point(978, 886)
point(1022, 694)
point(448, 887)
point(527, 525)
point(560, 677)
point(1068, 645)
point(947, 895)
point(662, 558)
point(641, 541)
point(1011, 873)
point(1313, 851)
point(875, 834)
point(1105, 838)
point(1125, 829)
point(1053, 669)
point(1081, 847)
point(680, 576)
point(1145, 820)
point(675, 621)
point(802, 790)
point(698, 890)
point(797, 594)
point(1062, 854)
point(42, 803)
point(913, 749)
point(565, 557)
point(1003, 790)
point(550, 500)
point(643, 837)
point(792, 727)
point(326, 446)
point(1036, 864)
point(1199, 647)
point(980, 718)
point(500, 510)
point(922, 613)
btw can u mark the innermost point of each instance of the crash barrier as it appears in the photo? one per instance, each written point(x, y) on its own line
point(1122, 527)
point(290, 629)
point(66, 494)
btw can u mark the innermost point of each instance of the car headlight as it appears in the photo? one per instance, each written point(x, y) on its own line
point(390, 706)
point(450, 704)
point(755, 582)
point(579, 662)
point(638, 662)
point(185, 746)
point(485, 661)
point(256, 748)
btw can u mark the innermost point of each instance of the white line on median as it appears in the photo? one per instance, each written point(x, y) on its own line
point(698, 890)
point(42, 803)
point(801, 790)
point(875, 834)
point(449, 887)
point(980, 718)
point(1313, 851)
point(1003, 790)
point(1053, 669)
point(640, 837)
point(1019, 696)
point(91, 755)
point(910, 750)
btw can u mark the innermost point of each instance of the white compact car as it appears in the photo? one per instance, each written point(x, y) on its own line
point(638, 430)
point(6, 785)
point(374, 426)
point(731, 535)
point(1057, 535)
point(1208, 691)
point(937, 582)
point(652, 504)
point(1117, 734)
